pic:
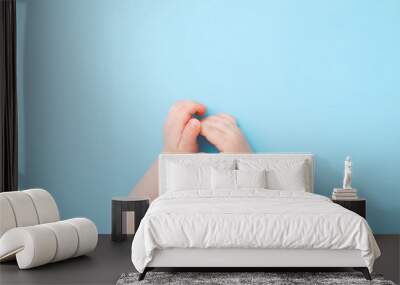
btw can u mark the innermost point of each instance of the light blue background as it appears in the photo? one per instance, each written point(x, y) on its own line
point(97, 77)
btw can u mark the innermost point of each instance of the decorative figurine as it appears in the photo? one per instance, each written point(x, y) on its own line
point(347, 173)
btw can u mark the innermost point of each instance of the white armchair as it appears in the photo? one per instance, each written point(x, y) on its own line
point(31, 230)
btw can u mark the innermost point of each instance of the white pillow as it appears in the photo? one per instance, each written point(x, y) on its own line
point(251, 178)
point(193, 174)
point(223, 179)
point(289, 174)
point(236, 179)
point(182, 177)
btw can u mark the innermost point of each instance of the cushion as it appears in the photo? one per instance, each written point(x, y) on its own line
point(282, 174)
point(189, 175)
point(7, 220)
point(223, 179)
point(182, 177)
point(27, 208)
point(23, 208)
point(31, 233)
point(236, 179)
point(251, 178)
point(67, 237)
point(46, 207)
point(87, 233)
point(40, 244)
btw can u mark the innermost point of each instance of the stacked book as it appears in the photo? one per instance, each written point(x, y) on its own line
point(344, 194)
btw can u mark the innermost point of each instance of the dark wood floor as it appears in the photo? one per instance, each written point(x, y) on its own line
point(110, 260)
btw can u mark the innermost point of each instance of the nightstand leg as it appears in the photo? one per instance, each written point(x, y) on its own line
point(116, 227)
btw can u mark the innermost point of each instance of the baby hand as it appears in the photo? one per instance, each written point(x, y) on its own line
point(181, 129)
point(223, 132)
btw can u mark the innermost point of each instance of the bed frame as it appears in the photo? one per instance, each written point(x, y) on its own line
point(236, 259)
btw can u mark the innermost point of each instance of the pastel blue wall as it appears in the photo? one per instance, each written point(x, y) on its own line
point(97, 78)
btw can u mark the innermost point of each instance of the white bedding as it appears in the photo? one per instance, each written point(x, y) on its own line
point(250, 218)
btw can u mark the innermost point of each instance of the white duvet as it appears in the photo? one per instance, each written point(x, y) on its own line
point(250, 218)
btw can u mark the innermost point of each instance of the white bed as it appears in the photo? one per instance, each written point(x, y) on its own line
point(200, 226)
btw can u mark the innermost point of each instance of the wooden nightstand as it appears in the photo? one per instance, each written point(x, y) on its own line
point(358, 206)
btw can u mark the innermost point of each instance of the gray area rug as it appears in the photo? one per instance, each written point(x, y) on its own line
point(225, 278)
